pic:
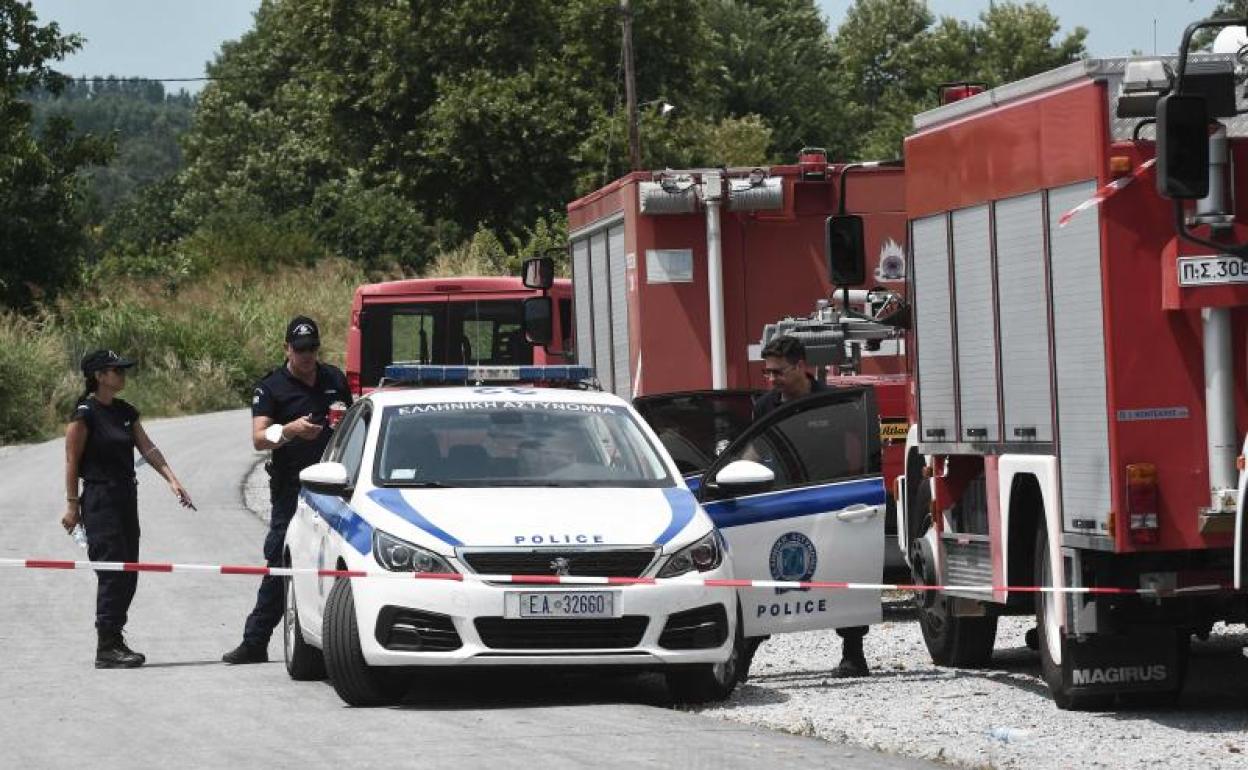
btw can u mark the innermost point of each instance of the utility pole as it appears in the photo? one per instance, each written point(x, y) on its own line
point(630, 87)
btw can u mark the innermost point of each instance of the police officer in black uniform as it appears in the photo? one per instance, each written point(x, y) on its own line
point(785, 365)
point(100, 440)
point(289, 412)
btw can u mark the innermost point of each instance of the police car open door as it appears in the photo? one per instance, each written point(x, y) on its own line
point(820, 519)
point(697, 426)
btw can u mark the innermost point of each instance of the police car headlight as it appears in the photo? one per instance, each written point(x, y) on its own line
point(703, 556)
point(401, 556)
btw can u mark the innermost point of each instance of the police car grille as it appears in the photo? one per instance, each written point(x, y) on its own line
point(697, 629)
point(408, 630)
point(626, 563)
point(562, 633)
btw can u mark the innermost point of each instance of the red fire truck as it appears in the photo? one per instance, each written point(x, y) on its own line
point(1079, 369)
point(448, 321)
point(676, 273)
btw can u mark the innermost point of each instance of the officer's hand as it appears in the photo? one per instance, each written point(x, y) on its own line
point(71, 518)
point(304, 428)
point(183, 496)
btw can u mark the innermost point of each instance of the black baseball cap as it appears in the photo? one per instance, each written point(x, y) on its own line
point(303, 334)
point(99, 360)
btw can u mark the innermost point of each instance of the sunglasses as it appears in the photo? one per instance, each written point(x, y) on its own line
point(778, 372)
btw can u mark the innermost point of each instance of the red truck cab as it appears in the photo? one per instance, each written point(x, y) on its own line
point(461, 320)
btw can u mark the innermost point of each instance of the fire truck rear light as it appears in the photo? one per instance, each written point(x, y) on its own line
point(353, 383)
point(1119, 165)
point(1143, 525)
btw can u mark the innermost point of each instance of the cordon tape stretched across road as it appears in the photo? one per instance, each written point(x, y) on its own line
point(222, 569)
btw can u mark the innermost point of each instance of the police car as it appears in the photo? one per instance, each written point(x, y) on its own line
point(471, 474)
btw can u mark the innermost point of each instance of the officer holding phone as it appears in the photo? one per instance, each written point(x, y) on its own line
point(289, 415)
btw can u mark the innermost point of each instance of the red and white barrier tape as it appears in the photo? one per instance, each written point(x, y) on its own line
point(575, 580)
point(1106, 192)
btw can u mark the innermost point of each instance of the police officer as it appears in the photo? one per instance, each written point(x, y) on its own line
point(289, 412)
point(785, 365)
point(100, 440)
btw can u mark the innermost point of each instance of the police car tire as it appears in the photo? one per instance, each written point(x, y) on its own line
point(960, 642)
point(304, 663)
point(1050, 669)
point(707, 682)
point(356, 682)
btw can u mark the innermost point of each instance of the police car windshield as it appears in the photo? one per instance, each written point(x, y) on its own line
point(515, 444)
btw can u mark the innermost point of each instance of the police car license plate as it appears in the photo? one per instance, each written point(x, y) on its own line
point(560, 604)
point(1212, 270)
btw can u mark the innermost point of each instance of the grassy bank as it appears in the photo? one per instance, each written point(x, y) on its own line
point(200, 348)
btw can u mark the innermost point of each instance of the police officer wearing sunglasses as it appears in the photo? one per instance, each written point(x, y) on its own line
point(785, 366)
point(289, 415)
point(100, 440)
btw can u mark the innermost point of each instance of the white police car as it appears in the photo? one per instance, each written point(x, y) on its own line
point(506, 478)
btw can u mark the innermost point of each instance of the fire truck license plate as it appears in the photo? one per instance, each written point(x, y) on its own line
point(1212, 270)
point(569, 604)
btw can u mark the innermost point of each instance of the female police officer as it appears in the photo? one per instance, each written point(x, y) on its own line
point(99, 447)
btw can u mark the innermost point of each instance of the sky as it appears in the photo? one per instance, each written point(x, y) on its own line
point(177, 38)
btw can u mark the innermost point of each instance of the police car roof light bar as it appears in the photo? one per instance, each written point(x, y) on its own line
point(425, 374)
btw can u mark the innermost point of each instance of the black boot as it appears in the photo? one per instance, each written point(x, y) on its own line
point(112, 652)
point(246, 653)
point(853, 662)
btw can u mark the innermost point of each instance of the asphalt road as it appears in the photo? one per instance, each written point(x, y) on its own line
point(186, 709)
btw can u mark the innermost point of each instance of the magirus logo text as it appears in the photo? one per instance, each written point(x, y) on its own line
point(1119, 674)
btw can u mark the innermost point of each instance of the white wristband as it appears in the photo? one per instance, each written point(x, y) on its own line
point(273, 434)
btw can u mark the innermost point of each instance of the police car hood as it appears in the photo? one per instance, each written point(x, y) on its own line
point(522, 517)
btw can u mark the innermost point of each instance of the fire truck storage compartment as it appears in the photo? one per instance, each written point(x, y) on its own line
point(602, 312)
point(929, 242)
point(977, 350)
point(1079, 342)
point(981, 308)
point(1026, 373)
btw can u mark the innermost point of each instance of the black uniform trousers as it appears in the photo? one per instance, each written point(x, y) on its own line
point(270, 599)
point(110, 514)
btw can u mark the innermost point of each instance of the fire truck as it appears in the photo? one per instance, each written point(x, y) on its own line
point(457, 320)
point(1079, 301)
point(675, 273)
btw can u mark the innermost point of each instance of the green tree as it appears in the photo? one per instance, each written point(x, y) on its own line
point(41, 237)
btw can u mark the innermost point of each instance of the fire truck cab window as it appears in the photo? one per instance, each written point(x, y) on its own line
point(455, 332)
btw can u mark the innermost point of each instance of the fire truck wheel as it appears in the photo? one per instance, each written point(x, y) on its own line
point(1049, 633)
point(963, 642)
point(952, 640)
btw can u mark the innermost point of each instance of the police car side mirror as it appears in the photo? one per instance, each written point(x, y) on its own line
point(744, 477)
point(325, 478)
point(538, 320)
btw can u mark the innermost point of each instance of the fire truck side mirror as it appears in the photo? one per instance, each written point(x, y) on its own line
point(1182, 147)
point(538, 320)
point(538, 273)
point(845, 249)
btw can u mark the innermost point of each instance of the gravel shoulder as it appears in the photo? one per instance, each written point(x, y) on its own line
point(911, 707)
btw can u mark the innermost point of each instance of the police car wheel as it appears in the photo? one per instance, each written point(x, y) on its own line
point(356, 682)
point(706, 682)
point(1049, 633)
point(304, 662)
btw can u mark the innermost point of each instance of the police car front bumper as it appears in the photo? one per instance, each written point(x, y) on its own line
point(401, 622)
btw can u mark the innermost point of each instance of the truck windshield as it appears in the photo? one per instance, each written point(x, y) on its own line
point(515, 443)
point(456, 332)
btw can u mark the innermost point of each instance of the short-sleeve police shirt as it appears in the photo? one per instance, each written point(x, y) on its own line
point(109, 451)
point(283, 398)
